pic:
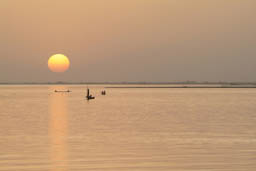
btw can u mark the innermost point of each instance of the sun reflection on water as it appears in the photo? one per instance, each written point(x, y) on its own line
point(58, 130)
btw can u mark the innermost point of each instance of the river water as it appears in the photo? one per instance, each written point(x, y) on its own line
point(150, 129)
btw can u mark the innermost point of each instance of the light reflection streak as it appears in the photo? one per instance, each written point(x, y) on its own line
point(58, 130)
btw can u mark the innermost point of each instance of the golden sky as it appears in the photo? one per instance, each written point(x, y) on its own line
point(129, 40)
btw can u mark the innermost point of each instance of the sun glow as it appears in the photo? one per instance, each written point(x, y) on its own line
point(58, 63)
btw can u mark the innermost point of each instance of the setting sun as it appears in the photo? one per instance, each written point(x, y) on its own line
point(58, 63)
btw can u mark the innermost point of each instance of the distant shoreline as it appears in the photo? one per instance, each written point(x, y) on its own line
point(231, 84)
point(170, 85)
point(184, 87)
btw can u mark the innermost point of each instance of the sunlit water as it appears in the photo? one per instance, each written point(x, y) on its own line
point(127, 130)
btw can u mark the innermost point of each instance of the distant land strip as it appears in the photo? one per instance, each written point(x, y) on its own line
point(167, 84)
point(184, 87)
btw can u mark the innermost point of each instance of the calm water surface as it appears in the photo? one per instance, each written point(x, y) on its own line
point(127, 130)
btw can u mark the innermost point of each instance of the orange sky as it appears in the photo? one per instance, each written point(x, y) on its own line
point(135, 40)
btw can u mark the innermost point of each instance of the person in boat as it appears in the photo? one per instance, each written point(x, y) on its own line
point(89, 96)
point(103, 92)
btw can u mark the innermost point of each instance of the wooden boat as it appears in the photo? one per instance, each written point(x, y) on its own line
point(89, 96)
point(62, 91)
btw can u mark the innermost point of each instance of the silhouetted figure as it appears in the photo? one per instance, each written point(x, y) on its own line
point(103, 92)
point(89, 96)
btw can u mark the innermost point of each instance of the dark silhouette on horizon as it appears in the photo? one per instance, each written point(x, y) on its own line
point(89, 96)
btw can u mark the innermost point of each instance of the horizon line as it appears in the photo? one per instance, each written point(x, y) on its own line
point(130, 82)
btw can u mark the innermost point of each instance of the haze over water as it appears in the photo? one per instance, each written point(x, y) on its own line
point(127, 130)
point(129, 40)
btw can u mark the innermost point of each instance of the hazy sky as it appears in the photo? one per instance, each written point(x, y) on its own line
point(129, 40)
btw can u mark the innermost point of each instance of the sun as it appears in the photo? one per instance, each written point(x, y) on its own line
point(58, 63)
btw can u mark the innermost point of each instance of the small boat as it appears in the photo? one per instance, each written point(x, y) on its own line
point(103, 92)
point(62, 91)
point(89, 96)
